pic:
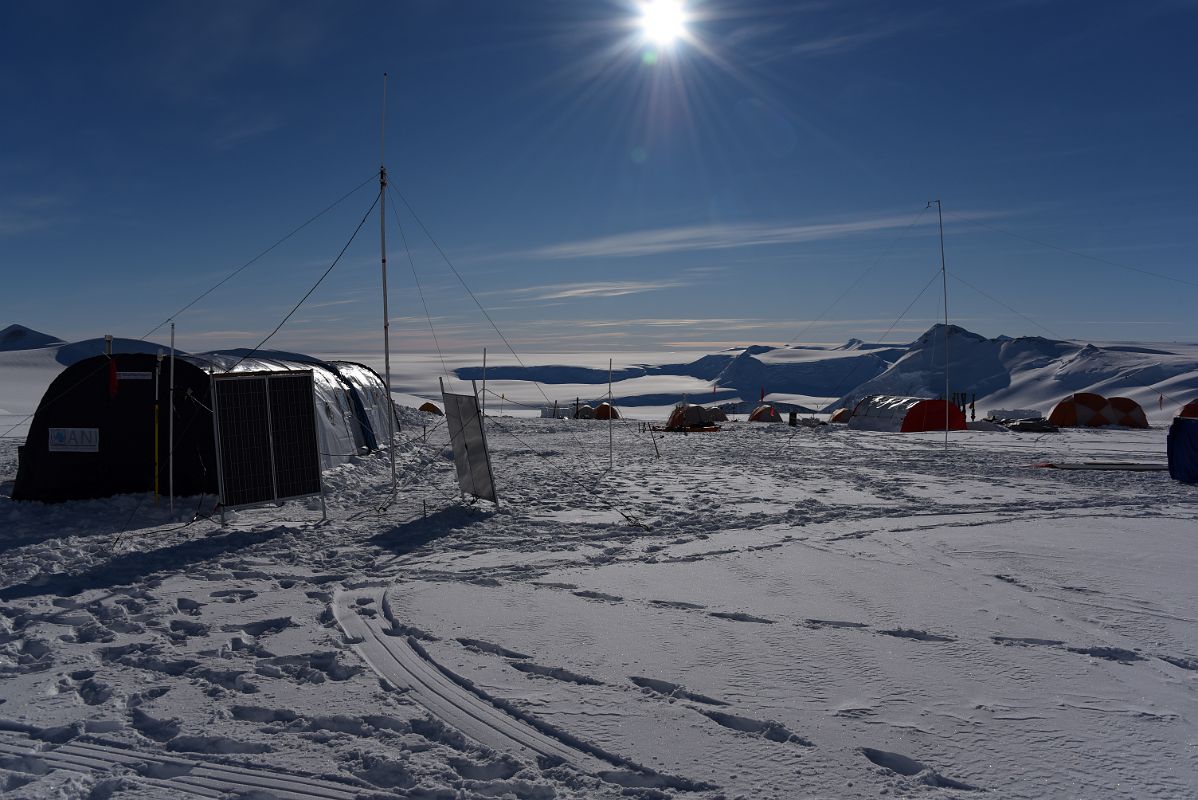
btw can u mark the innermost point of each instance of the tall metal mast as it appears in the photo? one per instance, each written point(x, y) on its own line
point(386, 308)
point(944, 281)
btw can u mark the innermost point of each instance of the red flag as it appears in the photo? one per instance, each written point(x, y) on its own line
point(763, 394)
point(1162, 402)
point(112, 379)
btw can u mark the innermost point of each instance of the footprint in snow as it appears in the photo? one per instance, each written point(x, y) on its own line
point(1181, 661)
point(918, 635)
point(679, 604)
point(487, 647)
point(739, 617)
point(234, 595)
point(1108, 653)
point(674, 690)
point(1025, 641)
point(262, 627)
point(557, 673)
point(909, 767)
point(834, 623)
point(606, 598)
point(184, 628)
point(767, 729)
point(188, 606)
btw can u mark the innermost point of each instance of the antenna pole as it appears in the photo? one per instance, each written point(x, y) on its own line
point(170, 427)
point(383, 256)
point(944, 281)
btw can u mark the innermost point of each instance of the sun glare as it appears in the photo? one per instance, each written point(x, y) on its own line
point(663, 22)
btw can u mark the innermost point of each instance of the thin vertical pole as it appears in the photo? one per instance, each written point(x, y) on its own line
point(383, 257)
point(611, 410)
point(170, 427)
point(484, 398)
point(157, 460)
point(944, 281)
point(220, 469)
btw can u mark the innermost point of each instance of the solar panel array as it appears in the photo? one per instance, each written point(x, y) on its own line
point(266, 437)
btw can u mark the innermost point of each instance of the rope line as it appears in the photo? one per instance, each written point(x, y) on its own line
point(247, 264)
point(851, 372)
point(420, 290)
point(861, 277)
point(213, 288)
point(461, 280)
point(308, 294)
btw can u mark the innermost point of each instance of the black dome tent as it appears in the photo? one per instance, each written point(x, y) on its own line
point(93, 432)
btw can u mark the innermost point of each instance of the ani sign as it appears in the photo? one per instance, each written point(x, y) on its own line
point(469, 440)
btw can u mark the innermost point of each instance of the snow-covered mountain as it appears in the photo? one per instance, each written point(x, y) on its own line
point(1003, 372)
point(1034, 372)
point(18, 337)
point(1025, 372)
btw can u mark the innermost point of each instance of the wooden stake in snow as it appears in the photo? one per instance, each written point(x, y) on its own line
point(611, 458)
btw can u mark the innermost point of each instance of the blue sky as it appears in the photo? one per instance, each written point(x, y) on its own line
point(595, 190)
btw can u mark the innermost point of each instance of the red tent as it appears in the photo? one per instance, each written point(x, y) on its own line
point(1082, 410)
point(1127, 412)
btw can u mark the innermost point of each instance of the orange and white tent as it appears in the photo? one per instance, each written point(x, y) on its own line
point(688, 416)
point(905, 415)
point(431, 408)
point(841, 416)
point(1082, 410)
point(1189, 410)
point(1126, 412)
point(765, 414)
point(606, 411)
point(1089, 410)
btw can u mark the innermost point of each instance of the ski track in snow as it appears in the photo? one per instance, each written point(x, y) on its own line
point(833, 613)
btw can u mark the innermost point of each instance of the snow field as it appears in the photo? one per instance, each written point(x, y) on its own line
point(810, 613)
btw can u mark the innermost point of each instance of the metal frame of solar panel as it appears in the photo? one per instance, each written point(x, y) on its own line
point(267, 448)
point(468, 438)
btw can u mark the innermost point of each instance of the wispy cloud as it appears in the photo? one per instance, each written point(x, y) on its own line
point(574, 291)
point(29, 213)
point(759, 42)
point(328, 303)
point(235, 131)
point(706, 324)
point(715, 237)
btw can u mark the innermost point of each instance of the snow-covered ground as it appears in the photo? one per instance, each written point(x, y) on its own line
point(762, 612)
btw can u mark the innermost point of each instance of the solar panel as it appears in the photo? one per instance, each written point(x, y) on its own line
point(293, 426)
point(267, 446)
point(471, 458)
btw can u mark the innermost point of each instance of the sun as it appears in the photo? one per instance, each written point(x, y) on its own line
point(663, 22)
